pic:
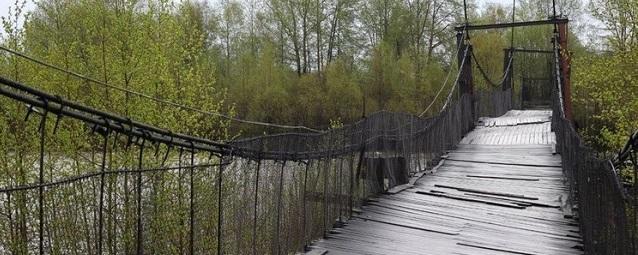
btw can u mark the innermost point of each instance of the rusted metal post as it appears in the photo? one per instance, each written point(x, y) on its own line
point(459, 46)
point(565, 66)
point(464, 58)
point(465, 82)
point(468, 84)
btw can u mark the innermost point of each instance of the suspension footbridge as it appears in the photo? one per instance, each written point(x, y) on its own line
point(484, 175)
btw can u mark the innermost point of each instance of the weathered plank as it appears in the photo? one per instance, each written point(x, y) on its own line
point(500, 192)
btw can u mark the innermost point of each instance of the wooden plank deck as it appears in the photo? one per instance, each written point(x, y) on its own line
point(501, 191)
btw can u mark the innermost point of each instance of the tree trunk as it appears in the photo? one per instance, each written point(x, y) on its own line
point(333, 29)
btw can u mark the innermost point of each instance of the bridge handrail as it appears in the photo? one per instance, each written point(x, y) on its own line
point(358, 160)
point(602, 204)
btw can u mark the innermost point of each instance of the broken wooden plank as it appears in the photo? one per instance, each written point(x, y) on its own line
point(503, 177)
point(502, 163)
point(383, 226)
point(530, 203)
point(486, 192)
point(316, 251)
point(496, 249)
point(446, 195)
point(399, 188)
point(407, 226)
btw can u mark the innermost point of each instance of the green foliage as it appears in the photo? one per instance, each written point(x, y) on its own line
point(489, 51)
point(605, 85)
point(301, 62)
point(620, 20)
point(342, 88)
point(606, 97)
point(159, 52)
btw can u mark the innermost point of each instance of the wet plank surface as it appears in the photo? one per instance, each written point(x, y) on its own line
point(500, 192)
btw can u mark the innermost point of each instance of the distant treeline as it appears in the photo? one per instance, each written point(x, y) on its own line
point(301, 62)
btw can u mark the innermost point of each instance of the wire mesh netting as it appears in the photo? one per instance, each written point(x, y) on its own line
point(93, 182)
point(604, 204)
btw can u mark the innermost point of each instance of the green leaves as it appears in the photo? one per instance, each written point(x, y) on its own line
point(158, 51)
point(605, 97)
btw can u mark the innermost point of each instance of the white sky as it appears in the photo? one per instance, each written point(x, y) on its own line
point(5, 5)
point(482, 3)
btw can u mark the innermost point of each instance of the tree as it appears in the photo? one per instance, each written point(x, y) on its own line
point(606, 98)
point(621, 20)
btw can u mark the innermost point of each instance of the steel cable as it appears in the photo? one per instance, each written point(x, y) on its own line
point(159, 100)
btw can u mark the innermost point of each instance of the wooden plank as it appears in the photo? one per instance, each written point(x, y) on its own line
point(496, 249)
point(503, 177)
point(422, 192)
point(509, 162)
point(399, 188)
point(498, 192)
point(316, 251)
point(438, 231)
point(516, 201)
point(486, 192)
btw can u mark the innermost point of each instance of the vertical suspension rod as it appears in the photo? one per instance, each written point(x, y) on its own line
point(191, 237)
point(43, 122)
point(279, 201)
point(220, 204)
point(140, 243)
point(255, 205)
point(101, 205)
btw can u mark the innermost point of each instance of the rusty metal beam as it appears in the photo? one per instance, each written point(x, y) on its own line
point(512, 24)
point(531, 50)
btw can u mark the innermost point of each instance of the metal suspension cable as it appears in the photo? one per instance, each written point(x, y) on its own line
point(467, 35)
point(508, 69)
point(438, 93)
point(456, 81)
point(485, 76)
point(465, 13)
point(80, 177)
point(142, 95)
point(559, 85)
point(630, 145)
point(509, 62)
point(513, 19)
point(62, 107)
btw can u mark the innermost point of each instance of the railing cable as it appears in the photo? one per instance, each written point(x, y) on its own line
point(159, 100)
point(456, 81)
point(484, 73)
point(438, 93)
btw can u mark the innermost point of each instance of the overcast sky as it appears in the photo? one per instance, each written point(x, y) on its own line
point(5, 4)
point(502, 2)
